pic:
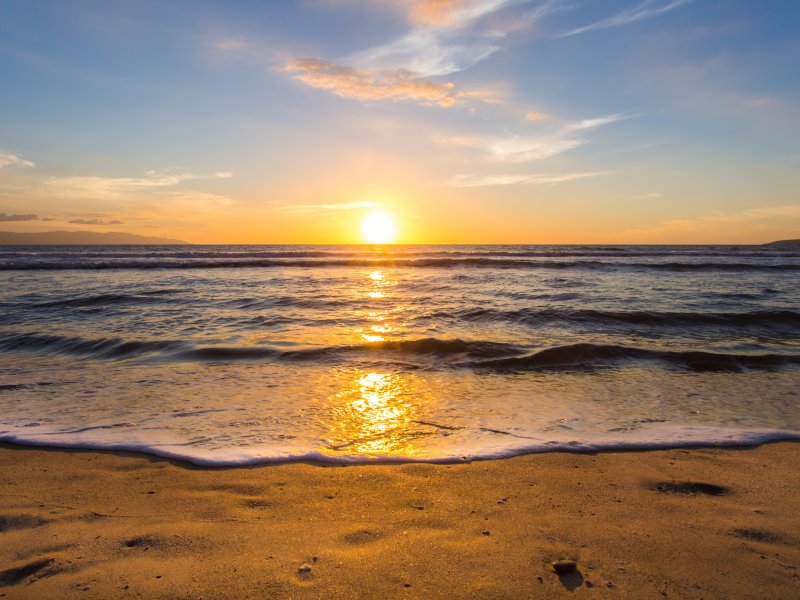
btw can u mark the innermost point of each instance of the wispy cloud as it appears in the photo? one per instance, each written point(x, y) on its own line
point(9, 159)
point(328, 207)
point(4, 218)
point(366, 85)
point(645, 10)
point(101, 188)
point(556, 140)
point(525, 149)
point(425, 52)
point(447, 36)
point(535, 115)
point(596, 122)
point(110, 187)
point(95, 222)
point(452, 14)
point(471, 180)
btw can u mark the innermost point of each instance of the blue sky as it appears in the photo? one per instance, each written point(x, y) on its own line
point(652, 121)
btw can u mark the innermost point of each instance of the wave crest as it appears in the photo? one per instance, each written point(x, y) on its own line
point(448, 353)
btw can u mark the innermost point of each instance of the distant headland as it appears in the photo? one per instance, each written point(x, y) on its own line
point(72, 238)
point(784, 243)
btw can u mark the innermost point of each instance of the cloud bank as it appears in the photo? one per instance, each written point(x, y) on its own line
point(95, 222)
point(4, 218)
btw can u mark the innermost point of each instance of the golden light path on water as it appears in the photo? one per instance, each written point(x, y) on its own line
point(378, 289)
point(374, 414)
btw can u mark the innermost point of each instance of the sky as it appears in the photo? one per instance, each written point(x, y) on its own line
point(467, 121)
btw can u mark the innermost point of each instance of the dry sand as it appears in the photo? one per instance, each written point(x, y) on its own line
point(77, 524)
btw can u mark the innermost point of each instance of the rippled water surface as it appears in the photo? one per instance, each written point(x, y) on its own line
point(241, 354)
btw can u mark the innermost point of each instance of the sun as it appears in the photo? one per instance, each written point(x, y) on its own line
point(378, 227)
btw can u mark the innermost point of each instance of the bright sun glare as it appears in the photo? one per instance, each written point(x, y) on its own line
point(378, 227)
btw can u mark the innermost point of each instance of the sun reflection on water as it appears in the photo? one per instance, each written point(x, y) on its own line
point(378, 283)
point(373, 415)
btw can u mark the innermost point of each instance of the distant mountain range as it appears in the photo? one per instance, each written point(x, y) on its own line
point(784, 243)
point(71, 238)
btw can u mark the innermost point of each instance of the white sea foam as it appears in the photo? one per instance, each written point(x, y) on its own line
point(651, 438)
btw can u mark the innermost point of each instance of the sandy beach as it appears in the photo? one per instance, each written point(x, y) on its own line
point(699, 523)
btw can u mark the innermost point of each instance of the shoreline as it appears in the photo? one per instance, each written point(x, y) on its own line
point(187, 463)
point(738, 439)
point(680, 523)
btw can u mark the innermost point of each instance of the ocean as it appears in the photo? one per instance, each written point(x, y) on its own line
point(236, 355)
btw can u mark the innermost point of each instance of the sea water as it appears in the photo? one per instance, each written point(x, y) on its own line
point(229, 355)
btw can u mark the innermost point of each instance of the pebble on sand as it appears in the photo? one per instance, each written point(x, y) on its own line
point(305, 569)
point(562, 567)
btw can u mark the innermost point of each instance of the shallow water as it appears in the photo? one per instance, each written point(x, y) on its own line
point(242, 354)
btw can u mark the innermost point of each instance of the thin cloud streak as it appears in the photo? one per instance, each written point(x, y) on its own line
point(100, 188)
point(9, 159)
point(518, 149)
point(646, 10)
point(597, 122)
point(109, 187)
point(470, 181)
point(521, 149)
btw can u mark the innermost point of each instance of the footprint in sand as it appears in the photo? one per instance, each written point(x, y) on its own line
point(15, 575)
point(689, 488)
point(12, 522)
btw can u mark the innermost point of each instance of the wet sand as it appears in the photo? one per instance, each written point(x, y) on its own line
point(700, 523)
